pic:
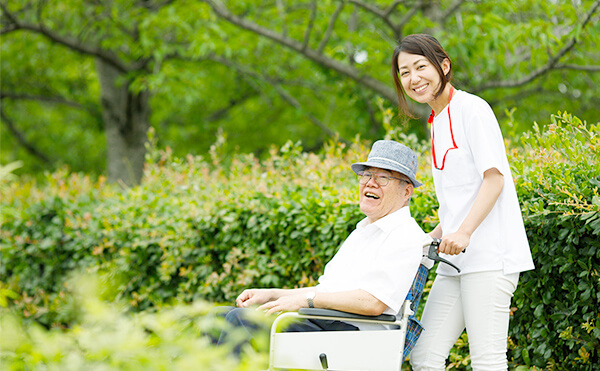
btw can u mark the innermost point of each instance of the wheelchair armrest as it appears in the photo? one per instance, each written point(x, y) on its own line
point(339, 314)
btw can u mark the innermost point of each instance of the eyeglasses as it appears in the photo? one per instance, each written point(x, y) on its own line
point(381, 180)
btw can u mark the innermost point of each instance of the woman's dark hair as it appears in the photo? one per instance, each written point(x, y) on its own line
point(430, 48)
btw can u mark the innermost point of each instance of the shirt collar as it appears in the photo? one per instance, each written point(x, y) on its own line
point(388, 222)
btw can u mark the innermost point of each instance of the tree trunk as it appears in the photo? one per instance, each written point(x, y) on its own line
point(126, 122)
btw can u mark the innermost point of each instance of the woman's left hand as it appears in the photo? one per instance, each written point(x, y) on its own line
point(454, 243)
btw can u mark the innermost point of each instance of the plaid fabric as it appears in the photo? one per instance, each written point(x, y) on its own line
point(412, 335)
point(414, 295)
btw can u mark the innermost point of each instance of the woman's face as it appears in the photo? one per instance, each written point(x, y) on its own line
point(419, 77)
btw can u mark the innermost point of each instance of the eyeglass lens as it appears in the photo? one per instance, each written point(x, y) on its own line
point(381, 180)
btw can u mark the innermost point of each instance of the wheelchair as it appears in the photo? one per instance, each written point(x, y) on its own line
point(383, 350)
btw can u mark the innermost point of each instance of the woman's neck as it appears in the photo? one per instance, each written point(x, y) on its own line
point(438, 104)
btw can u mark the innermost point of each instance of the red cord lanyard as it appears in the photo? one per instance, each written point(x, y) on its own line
point(433, 134)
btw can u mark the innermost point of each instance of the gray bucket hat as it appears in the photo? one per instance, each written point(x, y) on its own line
point(391, 155)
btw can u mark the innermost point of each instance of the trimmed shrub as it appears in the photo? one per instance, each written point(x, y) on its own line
point(557, 319)
point(195, 229)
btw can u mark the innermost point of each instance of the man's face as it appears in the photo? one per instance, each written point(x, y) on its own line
point(377, 201)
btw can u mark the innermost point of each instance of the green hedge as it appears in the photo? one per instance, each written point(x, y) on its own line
point(205, 228)
point(196, 229)
point(557, 321)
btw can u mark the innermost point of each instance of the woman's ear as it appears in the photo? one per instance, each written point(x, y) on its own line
point(446, 66)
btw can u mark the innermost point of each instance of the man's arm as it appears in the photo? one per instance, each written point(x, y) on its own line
point(355, 301)
point(251, 297)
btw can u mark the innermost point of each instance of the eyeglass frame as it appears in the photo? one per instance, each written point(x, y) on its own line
point(362, 175)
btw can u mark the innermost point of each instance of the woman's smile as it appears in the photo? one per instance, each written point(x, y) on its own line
point(421, 88)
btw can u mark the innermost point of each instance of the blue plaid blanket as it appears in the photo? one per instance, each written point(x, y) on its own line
point(414, 295)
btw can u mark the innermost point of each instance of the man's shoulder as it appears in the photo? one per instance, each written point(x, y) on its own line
point(407, 229)
point(395, 219)
point(400, 225)
point(403, 219)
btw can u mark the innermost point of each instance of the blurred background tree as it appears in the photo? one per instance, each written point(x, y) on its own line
point(82, 81)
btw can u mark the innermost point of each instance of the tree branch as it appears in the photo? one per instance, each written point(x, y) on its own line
point(392, 7)
point(40, 7)
point(70, 43)
point(311, 22)
point(552, 62)
point(352, 26)
point(518, 96)
point(330, 27)
point(383, 14)
point(532, 76)
point(133, 33)
point(42, 98)
point(590, 14)
point(281, 10)
point(153, 6)
point(379, 87)
point(293, 102)
point(577, 67)
point(11, 18)
point(451, 10)
point(370, 8)
point(8, 29)
point(233, 102)
point(286, 96)
point(407, 17)
point(21, 138)
point(92, 109)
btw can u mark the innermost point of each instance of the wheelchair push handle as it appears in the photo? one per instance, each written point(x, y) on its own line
point(435, 256)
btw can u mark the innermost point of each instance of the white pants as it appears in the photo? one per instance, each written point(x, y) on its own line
point(479, 302)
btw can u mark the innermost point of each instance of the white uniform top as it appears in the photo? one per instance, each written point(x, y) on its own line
point(500, 242)
point(380, 258)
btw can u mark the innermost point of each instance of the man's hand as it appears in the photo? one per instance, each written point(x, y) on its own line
point(290, 303)
point(255, 297)
point(454, 243)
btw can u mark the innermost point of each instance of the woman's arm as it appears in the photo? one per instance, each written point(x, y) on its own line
point(493, 182)
point(437, 232)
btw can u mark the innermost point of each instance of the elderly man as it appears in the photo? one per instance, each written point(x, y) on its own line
point(375, 266)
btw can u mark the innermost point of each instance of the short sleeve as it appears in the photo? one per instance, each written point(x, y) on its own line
point(484, 137)
point(391, 273)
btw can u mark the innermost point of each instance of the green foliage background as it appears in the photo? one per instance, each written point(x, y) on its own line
point(558, 318)
point(203, 228)
point(207, 75)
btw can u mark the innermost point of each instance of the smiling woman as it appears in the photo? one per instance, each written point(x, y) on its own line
point(421, 71)
point(478, 208)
